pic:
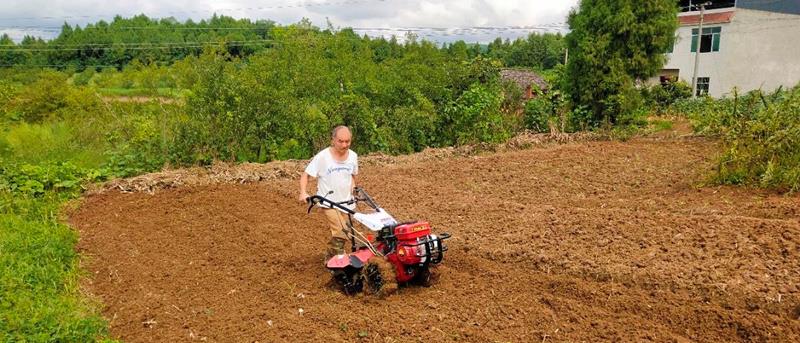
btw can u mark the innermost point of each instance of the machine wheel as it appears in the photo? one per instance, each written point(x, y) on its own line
point(379, 277)
point(425, 277)
point(351, 289)
point(349, 280)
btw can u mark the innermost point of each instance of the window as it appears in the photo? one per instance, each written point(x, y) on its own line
point(667, 79)
point(702, 86)
point(709, 40)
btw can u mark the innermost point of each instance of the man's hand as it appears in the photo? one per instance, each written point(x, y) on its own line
point(303, 186)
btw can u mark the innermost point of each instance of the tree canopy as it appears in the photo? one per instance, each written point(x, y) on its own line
point(123, 40)
point(164, 41)
point(612, 44)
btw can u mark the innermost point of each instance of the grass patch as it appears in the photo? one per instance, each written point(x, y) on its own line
point(48, 142)
point(40, 299)
point(658, 125)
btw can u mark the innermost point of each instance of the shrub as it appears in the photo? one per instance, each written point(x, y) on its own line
point(476, 117)
point(83, 78)
point(539, 112)
point(762, 142)
point(661, 96)
point(41, 99)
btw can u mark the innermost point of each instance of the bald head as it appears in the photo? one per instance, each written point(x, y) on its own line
point(340, 139)
point(339, 128)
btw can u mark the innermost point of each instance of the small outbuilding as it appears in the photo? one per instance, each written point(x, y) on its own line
point(527, 81)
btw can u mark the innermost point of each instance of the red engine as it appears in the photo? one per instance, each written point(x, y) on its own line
point(412, 249)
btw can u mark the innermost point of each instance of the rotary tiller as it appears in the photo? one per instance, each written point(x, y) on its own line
point(392, 253)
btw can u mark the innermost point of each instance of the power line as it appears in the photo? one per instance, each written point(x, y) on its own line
point(153, 47)
point(56, 65)
point(58, 29)
point(419, 30)
point(250, 9)
point(468, 28)
point(145, 44)
point(400, 28)
point(179, 45)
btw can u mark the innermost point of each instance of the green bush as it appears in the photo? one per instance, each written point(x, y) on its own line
point(476, 117)
point(41, 99)
point(513, 101)
point(50, 98)
point(538, 114)
point(762, 142)
point(760, 134)
point(108, 78)
point(635, 118)
point(714, 117)
point(83, 78)
point(661, 96)
point(415, 127)
point(22, 75)
point(140, 137)
point(8, 91)
point(281, 103)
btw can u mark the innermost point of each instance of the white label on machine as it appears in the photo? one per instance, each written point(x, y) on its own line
point(375, 221)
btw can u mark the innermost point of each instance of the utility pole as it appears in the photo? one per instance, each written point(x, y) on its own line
point(566, 55)
point(697, 48)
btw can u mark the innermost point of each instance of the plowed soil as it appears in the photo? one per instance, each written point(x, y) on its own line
point(583, 241)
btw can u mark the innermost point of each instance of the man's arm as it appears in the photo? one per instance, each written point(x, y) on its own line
point(303, 186)
point(353, 184)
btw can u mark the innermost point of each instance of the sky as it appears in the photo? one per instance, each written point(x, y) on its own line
point(436, 20)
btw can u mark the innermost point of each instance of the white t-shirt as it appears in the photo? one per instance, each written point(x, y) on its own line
point(333, 175)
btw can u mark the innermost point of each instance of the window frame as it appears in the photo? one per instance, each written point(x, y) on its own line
point(702, 85)
point(714, 34)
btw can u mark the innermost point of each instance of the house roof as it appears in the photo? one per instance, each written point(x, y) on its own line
point(708, 18)
point(779, 6)
point(524, 78)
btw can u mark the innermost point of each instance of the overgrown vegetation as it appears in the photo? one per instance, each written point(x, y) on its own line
point(40, 300)
point(54, 139)
point(760, 133)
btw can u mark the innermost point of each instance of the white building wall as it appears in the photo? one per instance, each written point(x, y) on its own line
point(757, 50)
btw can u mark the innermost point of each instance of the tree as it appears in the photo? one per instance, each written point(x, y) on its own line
point(8, 57)
point(612, 44)
point(458, 50)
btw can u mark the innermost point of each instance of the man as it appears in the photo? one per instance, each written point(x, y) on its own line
point(335, 168)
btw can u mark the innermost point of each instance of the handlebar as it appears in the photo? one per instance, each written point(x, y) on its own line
point(318, 199)
point(360, 195)
point(365, 197)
